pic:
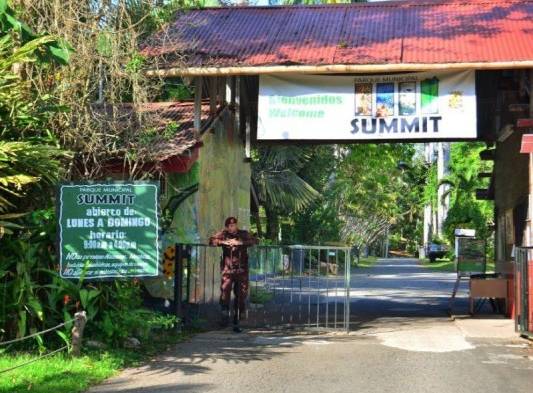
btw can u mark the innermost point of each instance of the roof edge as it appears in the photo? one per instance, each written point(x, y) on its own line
point(334, 69)
point(383, 3)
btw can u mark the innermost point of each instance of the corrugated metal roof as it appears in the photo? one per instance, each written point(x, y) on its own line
point(399, 32)
point(135, 119)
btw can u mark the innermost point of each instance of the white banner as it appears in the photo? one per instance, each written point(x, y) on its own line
point(425, 105)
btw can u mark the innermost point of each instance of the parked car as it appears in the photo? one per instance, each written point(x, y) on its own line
point(435, 251)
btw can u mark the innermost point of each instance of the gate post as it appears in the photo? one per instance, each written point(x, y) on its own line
point(178, 281)
point(80, 319)
point(347, 267)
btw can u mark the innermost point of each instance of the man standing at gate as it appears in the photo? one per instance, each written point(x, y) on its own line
point(233, 269)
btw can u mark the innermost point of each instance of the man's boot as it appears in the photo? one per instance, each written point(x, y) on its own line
point(236, 327)
point(224, 319)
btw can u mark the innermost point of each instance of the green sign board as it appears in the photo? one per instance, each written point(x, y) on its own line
point(109, 229)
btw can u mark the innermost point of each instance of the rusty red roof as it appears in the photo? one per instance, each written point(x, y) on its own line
point(160, 129)
point(398, 32)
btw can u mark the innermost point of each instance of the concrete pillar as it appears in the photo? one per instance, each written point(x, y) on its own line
point(443, 169)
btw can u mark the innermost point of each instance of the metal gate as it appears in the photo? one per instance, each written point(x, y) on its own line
point(523, 276)
point(290, 286)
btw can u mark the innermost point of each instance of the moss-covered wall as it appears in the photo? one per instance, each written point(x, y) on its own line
point(184, 227)
point(225, 180)
point(224, 190)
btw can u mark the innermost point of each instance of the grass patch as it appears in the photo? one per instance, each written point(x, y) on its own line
point(62, 374)
point(447, 265)
point(440, 265)
point(366, 262)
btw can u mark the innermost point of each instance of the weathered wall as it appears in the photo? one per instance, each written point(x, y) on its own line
point(511, 190)
point(224, 191)
point(184, 227)
point(225, 179)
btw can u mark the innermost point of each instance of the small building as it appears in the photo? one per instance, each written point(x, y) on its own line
point(197, 166)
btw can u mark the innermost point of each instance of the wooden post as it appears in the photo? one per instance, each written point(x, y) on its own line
point(230, 90)
point(198, 104)
point(236, 99)
point(178, 281)
point(246, 117)
point(221, 90)
point(212, 88)
point(80, 319)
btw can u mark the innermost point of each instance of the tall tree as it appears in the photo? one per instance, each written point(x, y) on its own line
point(370, 185)
point(465, 210)
point(29, 152)
point(106, 68)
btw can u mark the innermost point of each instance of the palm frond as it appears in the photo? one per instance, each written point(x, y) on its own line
point(23, 165)
point(284, 190)
point(282, 157)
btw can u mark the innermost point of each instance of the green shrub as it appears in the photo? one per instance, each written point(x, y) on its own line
point(259, 295)
point(116, 326)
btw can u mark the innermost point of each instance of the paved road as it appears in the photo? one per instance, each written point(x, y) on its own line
point(404, 342)
point(402, 287)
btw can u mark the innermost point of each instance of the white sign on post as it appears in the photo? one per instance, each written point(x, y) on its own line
point(425, 105)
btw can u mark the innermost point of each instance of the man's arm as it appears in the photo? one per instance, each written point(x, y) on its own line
point(217, 239)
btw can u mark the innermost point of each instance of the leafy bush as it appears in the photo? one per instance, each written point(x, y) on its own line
point(123, 315)
point(116, 327)
point(34, 296)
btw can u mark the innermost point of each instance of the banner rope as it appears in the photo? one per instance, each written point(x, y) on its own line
point(33, 360)
point(35, 334)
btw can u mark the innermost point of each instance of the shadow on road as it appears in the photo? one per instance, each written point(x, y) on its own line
point(207, 351)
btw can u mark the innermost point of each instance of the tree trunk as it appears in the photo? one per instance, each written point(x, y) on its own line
point(258, 223)
point(255, 211)
point(272, 224)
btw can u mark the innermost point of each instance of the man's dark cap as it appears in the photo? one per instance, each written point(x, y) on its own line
point(230, 220)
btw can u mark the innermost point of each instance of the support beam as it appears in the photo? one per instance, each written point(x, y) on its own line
point(230, 90)
point(212, 88)
point(221, 90)
point(335, 68)
point(247, 118)
point(237, 101)
point(197, 104)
